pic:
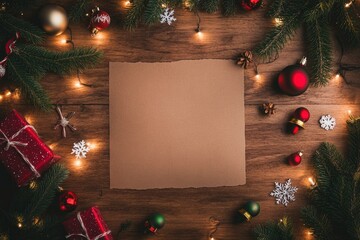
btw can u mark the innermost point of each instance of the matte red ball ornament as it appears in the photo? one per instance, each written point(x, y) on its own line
point(249, 5)
point(294, 80)
point(99, 21)
point(295, 158)
point(300, 117)
point(67, 201)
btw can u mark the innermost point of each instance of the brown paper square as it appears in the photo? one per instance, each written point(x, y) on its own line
point(177, 124)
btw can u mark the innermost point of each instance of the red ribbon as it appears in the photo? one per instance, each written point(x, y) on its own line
point(9, 47)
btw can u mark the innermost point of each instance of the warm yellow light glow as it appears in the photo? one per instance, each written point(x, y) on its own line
point(311, 181)
point(77, 84)
point(337, 75)
point(199, 35)
point(349, 112)
point(347, 5)
point(57, 18)
point(29, 119)
point(309, 233)
point(187, 4)
point(33, 185)
point(92, 145)
point(278, 21)
point(77, 163)
point(8, 94)
point(212, 238)
point(1, 97)
point(127, 3)
point(163, 5)
point(63, 41)
point(257, 76)
point(19, 225)
point(19, 220)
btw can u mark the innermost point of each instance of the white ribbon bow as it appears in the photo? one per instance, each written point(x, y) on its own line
point(86, 233)
point(11, 143)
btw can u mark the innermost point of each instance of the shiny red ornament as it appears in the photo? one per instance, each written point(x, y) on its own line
point(294, 80)
point(295, 158)
point(249, 5)
point(99, 21)
point(67, 201)
point(300, 117)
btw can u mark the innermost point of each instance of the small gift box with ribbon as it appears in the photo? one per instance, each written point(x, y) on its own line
point(22, 152)
point(89, 225)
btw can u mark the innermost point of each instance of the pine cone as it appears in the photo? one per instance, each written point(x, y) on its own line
point(269, 108)
point(245, 59)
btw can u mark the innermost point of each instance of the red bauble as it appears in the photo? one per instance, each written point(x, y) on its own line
point(300, 117)
point(67, 201)
point(99, 21)
point(249, 5)
point(294, 80)
point(295, 158)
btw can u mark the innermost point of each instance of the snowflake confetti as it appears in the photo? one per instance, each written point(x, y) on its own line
point(80, 149)
point(167, 16)
point(284, 192)
point(327, 122)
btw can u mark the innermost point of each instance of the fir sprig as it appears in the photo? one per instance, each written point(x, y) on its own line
point(317, 17)
point(282, 230)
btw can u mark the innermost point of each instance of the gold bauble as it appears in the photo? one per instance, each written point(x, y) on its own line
point(53, 19)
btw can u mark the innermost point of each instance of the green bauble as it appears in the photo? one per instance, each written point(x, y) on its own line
point(154, 223)
point(157, 220)
point(251, 209)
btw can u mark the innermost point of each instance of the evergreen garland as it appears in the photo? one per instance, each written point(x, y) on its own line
point(317, 16)
point(334, 212)
point(275, 231)
point(30, 205)
point(29, 63)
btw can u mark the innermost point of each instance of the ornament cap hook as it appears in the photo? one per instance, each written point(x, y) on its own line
point(303, 61)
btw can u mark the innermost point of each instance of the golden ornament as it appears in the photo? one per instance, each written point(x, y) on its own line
point(53, 19)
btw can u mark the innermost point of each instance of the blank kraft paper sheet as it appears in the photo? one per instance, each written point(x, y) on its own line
point(177, 124)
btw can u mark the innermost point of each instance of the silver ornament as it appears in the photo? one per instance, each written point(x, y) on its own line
point(2, 71)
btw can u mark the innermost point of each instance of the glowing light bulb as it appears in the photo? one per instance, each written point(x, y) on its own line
point(347, 5)
point(19, 225)
point(278, 21)
point(257, 76)
point(28, 119)
point(309, 232)
point(163, 5)
point(77, 163)
point(57, 18)
point(349, 112)
point(33, 185)
point(8, 94)
point(337, 75)
point(77, 84)
point(1, 97)
point(311, 181)
point(92, 145)
point(63, 41)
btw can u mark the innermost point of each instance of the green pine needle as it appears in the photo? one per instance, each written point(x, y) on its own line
point(282, 230)
point(229, 7)
point(78, 11)
point(134, 14)
point(152, 12)
point(276, 39)
point(210, 6)
point(319, 50)
point(27, 31)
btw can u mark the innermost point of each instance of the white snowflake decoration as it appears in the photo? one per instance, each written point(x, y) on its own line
point(167, 16)
point(327, 122)
point(80, 149)
point(284, 192)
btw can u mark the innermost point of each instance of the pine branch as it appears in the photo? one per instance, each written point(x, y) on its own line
point(134, 14)
point(318, 224)
point(347, 24)
point(30, 88)
point(61, 62)
point(275, 40)
point(319, 51)
point(275, 231)
point(78, 11)
point(318, 9)
point(46, 190)
point(277, 7)
point(152, 12)
point(210, 6)
point(229, 7)
point(27, 31)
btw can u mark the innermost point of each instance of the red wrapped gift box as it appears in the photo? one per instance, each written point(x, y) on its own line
point(22, 152)
point(88, 224)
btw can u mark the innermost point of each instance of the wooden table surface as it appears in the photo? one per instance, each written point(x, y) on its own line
point(187, 211)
